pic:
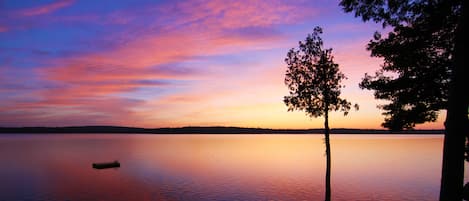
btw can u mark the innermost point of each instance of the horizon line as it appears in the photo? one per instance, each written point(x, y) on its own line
point(204, 130)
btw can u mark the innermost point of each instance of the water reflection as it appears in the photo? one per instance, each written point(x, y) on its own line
point(218, 167)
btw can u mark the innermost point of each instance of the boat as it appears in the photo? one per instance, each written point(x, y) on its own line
point(113, 164)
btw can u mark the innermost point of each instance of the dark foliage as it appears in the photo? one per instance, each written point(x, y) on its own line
point(314, 83)
point(314, 79)
point(418, 55)
point(425, 69)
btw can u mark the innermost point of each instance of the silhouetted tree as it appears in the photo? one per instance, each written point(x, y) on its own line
point(424, 52)
point(314, 81)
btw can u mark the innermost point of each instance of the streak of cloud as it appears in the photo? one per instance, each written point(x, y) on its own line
point(46, 9)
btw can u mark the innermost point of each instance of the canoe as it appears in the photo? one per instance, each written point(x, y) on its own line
point(114, 164)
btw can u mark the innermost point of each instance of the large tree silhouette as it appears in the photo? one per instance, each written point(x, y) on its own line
point(314, 81)
point(425, 52)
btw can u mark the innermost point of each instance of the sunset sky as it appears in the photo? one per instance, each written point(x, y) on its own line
point(172, 63)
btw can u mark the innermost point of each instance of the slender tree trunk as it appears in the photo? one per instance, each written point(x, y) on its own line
point(452, 177)
point(328, 157)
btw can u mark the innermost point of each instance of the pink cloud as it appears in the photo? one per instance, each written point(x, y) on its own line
point(87, 86)
point(102, 111)
point(234, 14)
point(48, 8)
point(86, 83)
point(3, 28)
point(143, 59)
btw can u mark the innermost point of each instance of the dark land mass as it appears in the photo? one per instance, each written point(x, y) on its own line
point(202, 130)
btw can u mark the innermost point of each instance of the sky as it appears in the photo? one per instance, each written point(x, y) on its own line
point(150, 63)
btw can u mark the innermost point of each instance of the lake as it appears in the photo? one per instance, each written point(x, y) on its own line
point(218, 167)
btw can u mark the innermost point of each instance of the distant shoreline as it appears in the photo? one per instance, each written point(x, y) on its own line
point(201, 130)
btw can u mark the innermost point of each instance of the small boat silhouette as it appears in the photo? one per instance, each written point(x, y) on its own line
point(113, 164)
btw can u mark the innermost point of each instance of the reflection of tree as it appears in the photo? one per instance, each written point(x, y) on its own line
point(427, 50)
point(314, 81)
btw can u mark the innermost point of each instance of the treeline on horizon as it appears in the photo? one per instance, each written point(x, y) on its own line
point(203, 130)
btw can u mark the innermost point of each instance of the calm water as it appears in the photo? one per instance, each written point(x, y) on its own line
point(218, 167)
